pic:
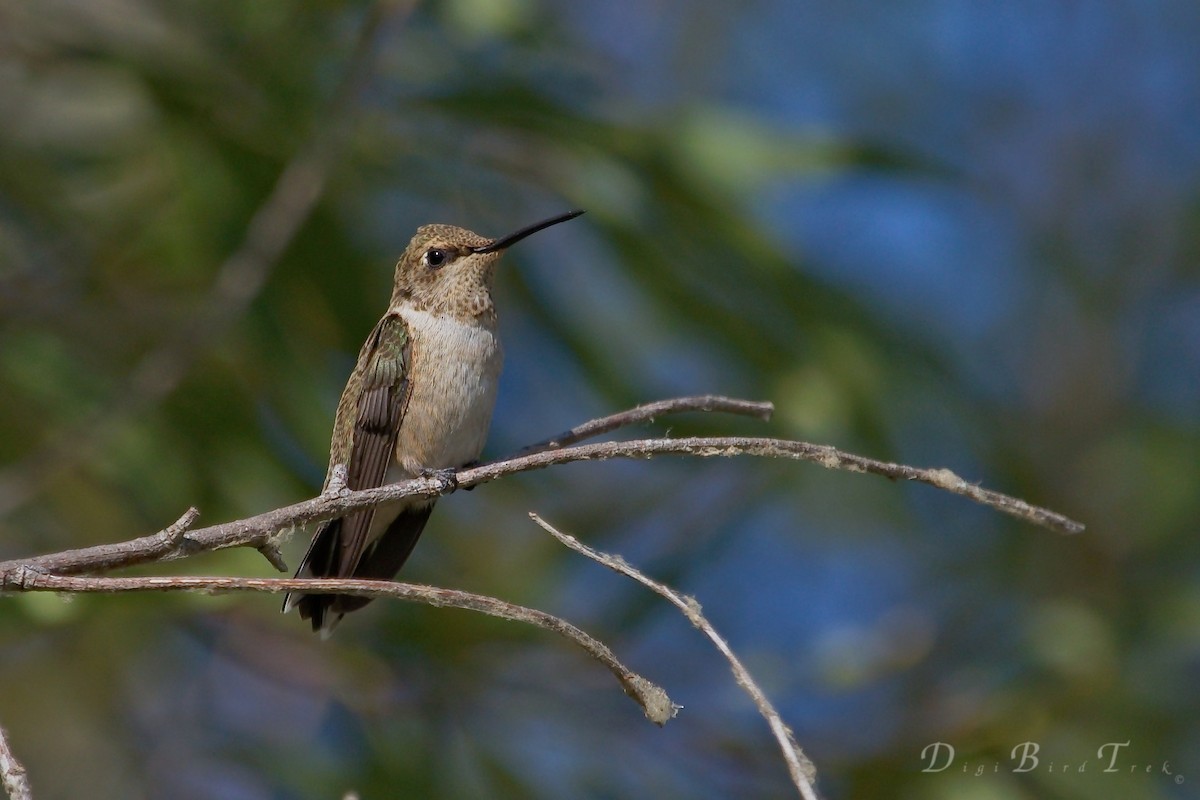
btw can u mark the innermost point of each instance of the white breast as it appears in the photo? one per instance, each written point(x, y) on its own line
point(454, 374)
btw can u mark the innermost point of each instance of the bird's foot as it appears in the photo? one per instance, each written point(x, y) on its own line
point(446, 478)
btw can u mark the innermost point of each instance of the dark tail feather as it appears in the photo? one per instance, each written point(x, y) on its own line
point(381, 562)
point(317, 563)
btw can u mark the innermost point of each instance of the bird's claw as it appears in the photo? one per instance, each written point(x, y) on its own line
point(446, 478)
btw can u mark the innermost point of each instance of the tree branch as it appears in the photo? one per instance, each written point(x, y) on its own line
point(12, 773)
point(261, 531)
point(726, 446)
point(56, 571)
point(801, 769)
point(653, 700)
point(647, 413)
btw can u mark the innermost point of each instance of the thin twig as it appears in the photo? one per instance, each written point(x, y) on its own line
point(825, 455)
point(169, 543)
point(238, 281)
point(653, 700)
point(650, 411)
point(172, 535)
point(12, 773)
point(801, 769)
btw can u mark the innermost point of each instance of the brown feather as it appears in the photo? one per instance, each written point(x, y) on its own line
point(375, 399)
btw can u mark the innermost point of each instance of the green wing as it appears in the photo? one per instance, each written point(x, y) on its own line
point(375, 399)
point(365, 429)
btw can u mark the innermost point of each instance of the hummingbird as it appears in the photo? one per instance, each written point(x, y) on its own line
point(418, 401)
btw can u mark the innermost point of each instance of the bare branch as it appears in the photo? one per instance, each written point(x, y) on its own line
point(653, 700)
point(649, 412)
point(12, 773)
point(54, 572)
point(801, 769)
point(825, 455)
point(171, 542)
point(258, 531)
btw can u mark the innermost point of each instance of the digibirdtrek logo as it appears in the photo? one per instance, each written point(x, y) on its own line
point(1111, 757)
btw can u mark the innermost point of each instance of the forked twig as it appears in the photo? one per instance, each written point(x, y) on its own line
point(801, 769)
point(648, 412)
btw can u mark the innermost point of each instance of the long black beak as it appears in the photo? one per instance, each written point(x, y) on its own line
point(508, 241)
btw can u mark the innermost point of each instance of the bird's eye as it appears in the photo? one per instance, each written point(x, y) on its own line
point(435, 257)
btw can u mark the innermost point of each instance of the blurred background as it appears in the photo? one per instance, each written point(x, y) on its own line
point(957, 234)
